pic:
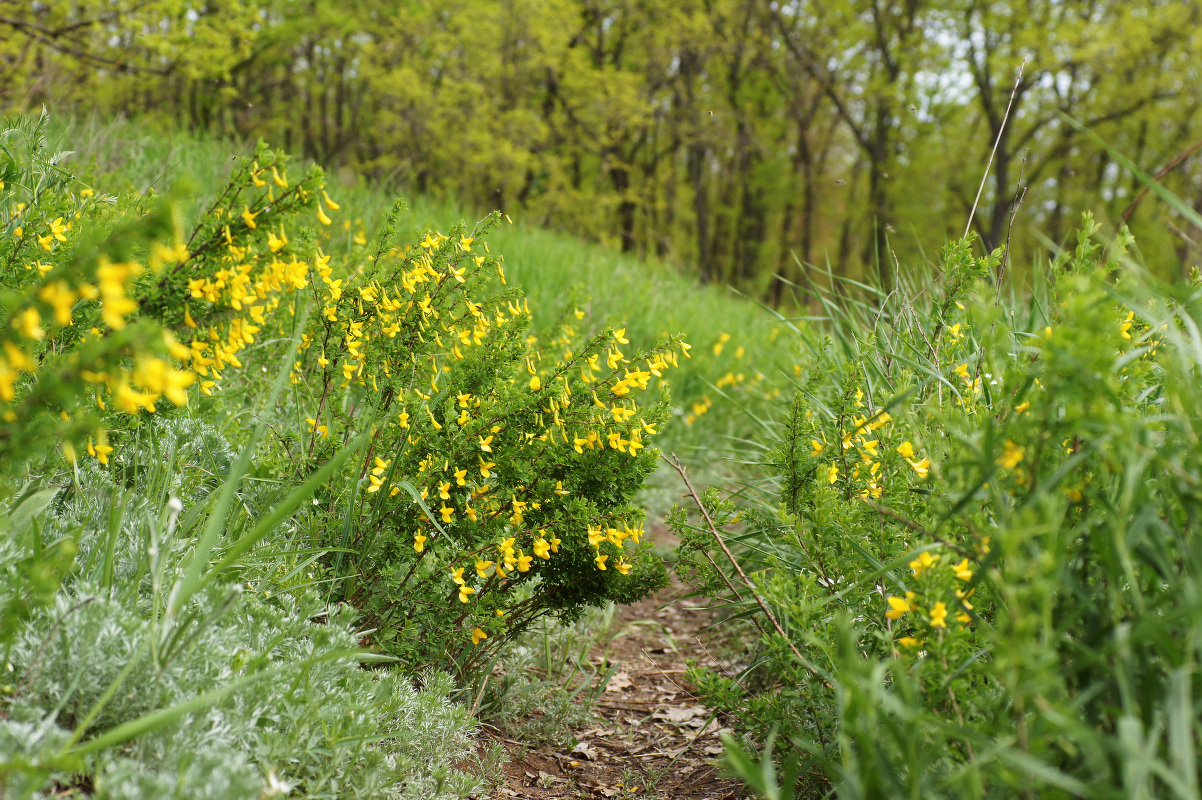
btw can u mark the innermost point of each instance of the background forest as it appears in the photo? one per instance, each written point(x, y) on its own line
point(311, 488)
point(738, 137)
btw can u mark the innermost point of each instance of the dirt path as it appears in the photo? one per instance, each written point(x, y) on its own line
point(654, 738)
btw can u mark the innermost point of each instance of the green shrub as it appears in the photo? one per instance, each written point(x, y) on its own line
point(171, 598)
point(978, 535)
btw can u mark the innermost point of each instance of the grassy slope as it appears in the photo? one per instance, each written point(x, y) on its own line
point(555, 269)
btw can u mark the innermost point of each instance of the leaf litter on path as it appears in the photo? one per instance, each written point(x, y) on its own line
point(652, 736)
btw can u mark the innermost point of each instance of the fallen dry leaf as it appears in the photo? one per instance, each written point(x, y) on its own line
point(585, 750)
point(679, 715)
point(620, 681)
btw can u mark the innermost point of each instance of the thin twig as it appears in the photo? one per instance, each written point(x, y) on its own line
point(676, 465)
point(479, 695)
point(1020, 192)
point(1001, 129)
point(1165, 170)
point(914, 526)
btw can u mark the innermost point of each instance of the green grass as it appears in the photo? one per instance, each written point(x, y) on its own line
point(557, 271)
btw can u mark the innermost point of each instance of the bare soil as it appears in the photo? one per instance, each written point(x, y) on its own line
point(652, 736)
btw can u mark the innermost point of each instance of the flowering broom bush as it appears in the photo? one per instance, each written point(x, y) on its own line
point(979, 545)
point(420, 456)
point(498, 483)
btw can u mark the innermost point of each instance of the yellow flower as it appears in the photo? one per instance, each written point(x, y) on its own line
point(542, 548)
point(464, 591)
point(29, 323)
point(457, 576)
point(962, 371)
point(923, 562)
point(419, 543)
point(280, 182)
point(600, 560)
point(477, 636)
point(1012, 455)
point(276, 243)
point(535, 384)
point(333, 206)
point(899, 606)
point(1125, 327)
point(938, 615)
point(100, 451)
point(482, 568)
point(962, 571)
point(61, 297)
point(921, 467)
point(906, 450)
point(486, 445)
point(1022, 407)
point(554, 544)
point(908, 641)
point(321, 216)
point(486, 467)
point(818, 447)
point(524, 562)
point(249, 218)
point(447, 512)
point(376, 483)
point(158, 377)
point(833, 474)
point(622, 567)
point(460, 474)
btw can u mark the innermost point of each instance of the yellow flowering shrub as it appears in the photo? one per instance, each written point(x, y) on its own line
point(113, 311)
point(76, 353)
point(499, 478)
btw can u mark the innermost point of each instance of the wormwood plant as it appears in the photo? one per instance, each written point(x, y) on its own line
point(977, 531)
point(119, 686)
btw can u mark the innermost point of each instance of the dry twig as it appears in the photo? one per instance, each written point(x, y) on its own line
point(679, 467)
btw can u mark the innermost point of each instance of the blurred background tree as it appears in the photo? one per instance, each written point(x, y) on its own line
point(756, 143)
